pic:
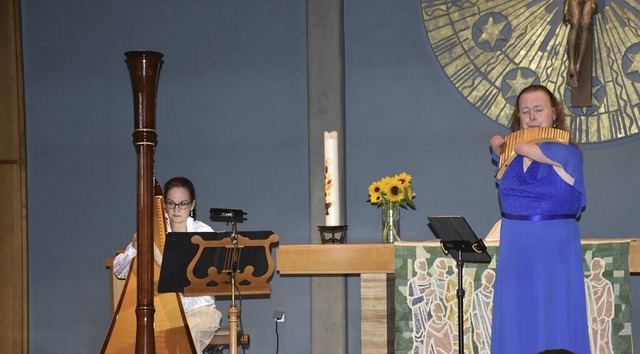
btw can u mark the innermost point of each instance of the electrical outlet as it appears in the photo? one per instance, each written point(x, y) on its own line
point(278, 316)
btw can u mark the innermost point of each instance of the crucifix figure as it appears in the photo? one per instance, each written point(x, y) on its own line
point(578, 14)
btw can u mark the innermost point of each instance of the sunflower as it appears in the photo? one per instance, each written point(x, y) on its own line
point(404, 178)
point(394, 190)
point(375, 192)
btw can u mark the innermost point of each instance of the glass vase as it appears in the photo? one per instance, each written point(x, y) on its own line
point(390, 223)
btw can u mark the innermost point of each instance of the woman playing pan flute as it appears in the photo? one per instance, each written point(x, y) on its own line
point(539, 301)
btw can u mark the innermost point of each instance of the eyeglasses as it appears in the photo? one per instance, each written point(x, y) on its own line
point(182, 205)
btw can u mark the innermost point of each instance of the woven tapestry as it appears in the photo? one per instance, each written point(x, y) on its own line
point(426, 300)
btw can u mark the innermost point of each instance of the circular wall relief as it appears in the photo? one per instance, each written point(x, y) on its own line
point(490, 50)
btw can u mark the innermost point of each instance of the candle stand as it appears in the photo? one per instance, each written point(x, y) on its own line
point(339, 230)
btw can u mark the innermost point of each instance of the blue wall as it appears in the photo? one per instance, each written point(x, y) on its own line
point(232, 116)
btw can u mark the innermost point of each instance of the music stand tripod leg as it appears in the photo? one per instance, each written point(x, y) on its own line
point(460, 294)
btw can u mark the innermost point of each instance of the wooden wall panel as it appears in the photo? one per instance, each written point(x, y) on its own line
point(14, 334)
point(13, 296)
point(9, 134)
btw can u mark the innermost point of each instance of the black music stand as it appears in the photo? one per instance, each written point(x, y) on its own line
point(458, 239)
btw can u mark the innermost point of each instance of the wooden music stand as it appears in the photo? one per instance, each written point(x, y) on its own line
point(219, 264)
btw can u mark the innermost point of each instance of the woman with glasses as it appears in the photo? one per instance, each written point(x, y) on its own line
point(180, 204)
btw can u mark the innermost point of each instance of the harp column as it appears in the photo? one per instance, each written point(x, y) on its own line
point(144, 69)
point(325, 65)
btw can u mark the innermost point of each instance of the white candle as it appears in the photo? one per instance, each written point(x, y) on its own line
point(331, 179)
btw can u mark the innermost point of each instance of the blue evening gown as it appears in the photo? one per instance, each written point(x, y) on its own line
point(539, 300)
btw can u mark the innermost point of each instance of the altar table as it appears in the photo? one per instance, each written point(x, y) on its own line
point(375, 265)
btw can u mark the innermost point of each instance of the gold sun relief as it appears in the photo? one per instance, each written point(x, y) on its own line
point(491, 49)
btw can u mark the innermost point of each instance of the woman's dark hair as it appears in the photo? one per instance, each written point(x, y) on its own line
point(183, 182)
point(556, 104)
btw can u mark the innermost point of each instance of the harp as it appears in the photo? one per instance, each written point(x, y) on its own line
point(529, 135)
point(171, 332)
point(144, 320)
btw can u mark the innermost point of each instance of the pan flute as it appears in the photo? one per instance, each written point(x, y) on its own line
point(529, 135)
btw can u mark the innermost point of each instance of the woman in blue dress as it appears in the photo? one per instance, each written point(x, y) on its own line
point(539, 301)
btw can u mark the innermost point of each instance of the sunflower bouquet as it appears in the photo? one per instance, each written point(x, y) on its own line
point(392, 189)
point(390, 193)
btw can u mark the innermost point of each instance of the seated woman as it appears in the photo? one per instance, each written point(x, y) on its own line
point(180, 201)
